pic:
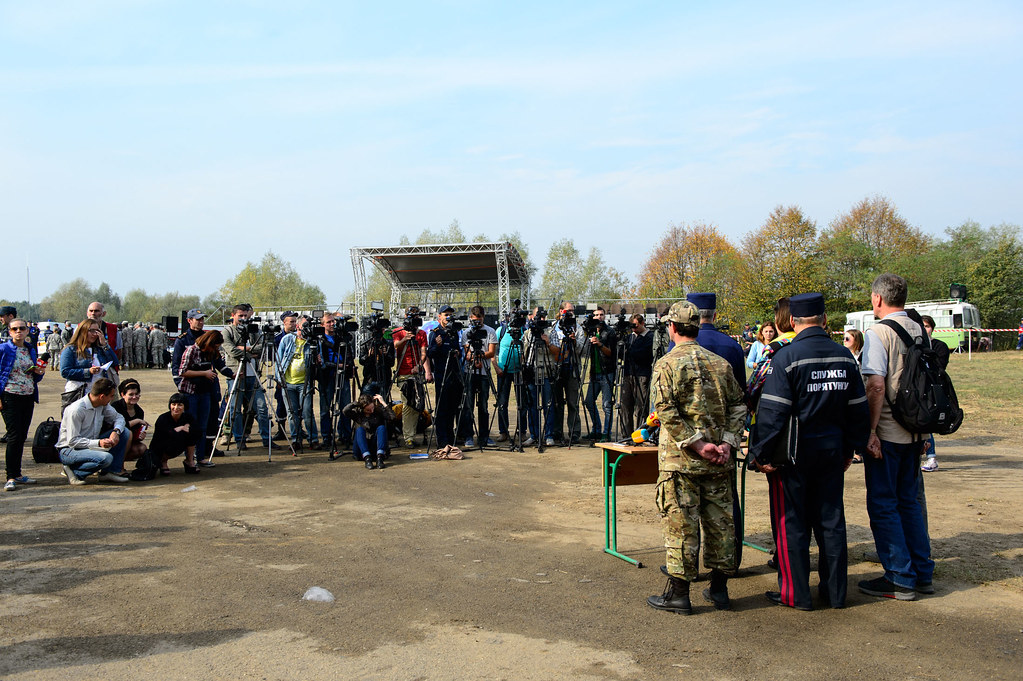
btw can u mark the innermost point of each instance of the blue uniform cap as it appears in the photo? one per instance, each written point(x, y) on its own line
point(806, 305)
point(703, 301)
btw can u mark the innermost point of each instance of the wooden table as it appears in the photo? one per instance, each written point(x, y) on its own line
point(638, 466)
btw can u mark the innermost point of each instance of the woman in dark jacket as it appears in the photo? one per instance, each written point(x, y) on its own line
point(176, 433)
point(371, 416)
point(19, 394)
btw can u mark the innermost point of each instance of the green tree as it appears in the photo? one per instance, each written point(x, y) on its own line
point(69, 301)
point(781, 258)
point(679, 258)
point(271, 283)
point(996, 283)
point(569, 276)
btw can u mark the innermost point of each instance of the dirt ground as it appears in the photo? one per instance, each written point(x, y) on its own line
point(491, 567)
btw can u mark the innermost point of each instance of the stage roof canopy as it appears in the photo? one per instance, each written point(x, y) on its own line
point(437, 267)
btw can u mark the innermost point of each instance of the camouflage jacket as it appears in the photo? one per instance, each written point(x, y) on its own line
point(696, 397)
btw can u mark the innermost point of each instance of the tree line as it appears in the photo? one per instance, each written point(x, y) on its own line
point(788, 253)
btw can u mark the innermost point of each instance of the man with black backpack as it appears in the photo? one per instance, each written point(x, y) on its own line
point(892, 469)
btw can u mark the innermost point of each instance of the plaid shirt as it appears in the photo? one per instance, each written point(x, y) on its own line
point(193, 360)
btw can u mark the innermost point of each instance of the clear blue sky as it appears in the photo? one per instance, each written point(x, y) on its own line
point(163, 144)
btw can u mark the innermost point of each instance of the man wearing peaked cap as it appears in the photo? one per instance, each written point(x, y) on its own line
point(715, 341)
point(812, 417)
point(727, 347)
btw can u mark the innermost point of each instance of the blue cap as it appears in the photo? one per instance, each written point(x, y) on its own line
point(703, 301)
point(806, 305)
point(446, 308)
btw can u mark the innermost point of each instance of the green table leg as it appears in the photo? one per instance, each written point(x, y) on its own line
point(611, 510)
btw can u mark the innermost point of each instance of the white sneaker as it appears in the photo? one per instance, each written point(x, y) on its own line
point(549, 442)
point(110, 477)
point(931, 464)
point(9, 486)
point(71, 477)
point(528, 442)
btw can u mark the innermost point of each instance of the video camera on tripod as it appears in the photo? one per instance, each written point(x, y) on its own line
point(413, 320)
point(540, 321)
point(623, 325)
point(567, 322)
point(591, 325)
point(314, 329)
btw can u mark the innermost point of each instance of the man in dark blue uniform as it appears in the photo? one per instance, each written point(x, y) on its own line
point(813, 416)
point(710, 338)
point(724, 346)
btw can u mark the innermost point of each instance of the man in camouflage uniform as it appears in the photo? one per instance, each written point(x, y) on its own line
point(158, 346)
point(140, 341)
point(127, 346)
point(702, 413)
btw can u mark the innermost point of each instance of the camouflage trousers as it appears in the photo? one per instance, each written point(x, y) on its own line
point(685, 501)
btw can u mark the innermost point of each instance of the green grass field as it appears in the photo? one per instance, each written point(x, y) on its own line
point(990, 388)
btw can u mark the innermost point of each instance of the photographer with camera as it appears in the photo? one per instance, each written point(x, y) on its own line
point(511, 371)
point(243, 347)
point(376, 354)
point(638, 365)
point(479, 345)
point(445, 355)
point(413, 371)
point(296, 363)
point(538, 372)
point(570, 341)
point(336, 375)
point(601, 357)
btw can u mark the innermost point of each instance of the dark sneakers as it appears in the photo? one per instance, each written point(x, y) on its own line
point(884, 588)
point(925, 588)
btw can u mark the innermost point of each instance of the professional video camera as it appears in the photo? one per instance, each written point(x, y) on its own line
point(413, 320)
point(540, 321)
point(567, 322)
point(314, 329)
point(624, 324)
point(251, 327)
point(375, 323)
point(591, 325)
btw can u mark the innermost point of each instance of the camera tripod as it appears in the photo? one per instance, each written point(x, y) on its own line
point(469, 370)
point(345, 390)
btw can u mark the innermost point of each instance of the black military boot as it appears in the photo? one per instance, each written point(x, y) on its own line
point(675, 597)
point(717, 593)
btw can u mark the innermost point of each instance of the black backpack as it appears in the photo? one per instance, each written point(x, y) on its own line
point(44, 443)
point(925, 401)
point(146, 467)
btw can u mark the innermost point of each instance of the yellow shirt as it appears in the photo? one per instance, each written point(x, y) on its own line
point(295, 373)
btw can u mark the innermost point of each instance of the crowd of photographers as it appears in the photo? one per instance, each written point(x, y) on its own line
point(517, 383)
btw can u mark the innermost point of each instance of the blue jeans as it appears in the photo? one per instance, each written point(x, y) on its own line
point(84, 462)
point(361, 447)
point(245, 394)
point(600, 384)
point(301, 402)
point(896, 518)
point(198, 406)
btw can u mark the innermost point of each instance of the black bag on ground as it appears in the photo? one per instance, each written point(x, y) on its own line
point(925, 401)
point(145, 467)
point(44, 443)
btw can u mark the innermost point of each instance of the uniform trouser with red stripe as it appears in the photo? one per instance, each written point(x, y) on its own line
point(807, 497)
